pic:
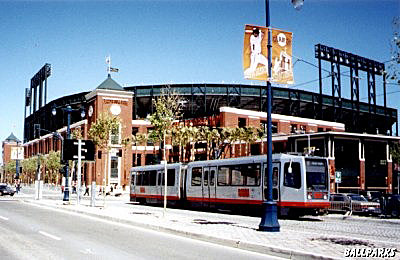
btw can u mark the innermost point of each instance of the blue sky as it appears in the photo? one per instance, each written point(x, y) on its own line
point(154, 42)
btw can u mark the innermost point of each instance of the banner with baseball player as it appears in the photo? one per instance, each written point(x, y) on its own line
point(282, 62)
point(255, 53)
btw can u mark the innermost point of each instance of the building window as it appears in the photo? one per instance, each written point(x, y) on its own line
point(114, 167)
point(149, 141)
point(274, 127)
point(293, 128)
point(241, 122)
point(135, 130)
point(115, 136)
point(320, 129)
point(264, 126)
point(138, 160)
point(150, 159)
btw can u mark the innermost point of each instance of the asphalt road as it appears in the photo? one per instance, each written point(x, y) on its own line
point(29, 232)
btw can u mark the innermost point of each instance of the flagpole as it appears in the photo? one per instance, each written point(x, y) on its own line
point(108, 61)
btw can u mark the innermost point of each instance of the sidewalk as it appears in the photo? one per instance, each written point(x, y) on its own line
point(230, 230)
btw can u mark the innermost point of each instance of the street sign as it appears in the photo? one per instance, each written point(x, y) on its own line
point(17, 153)
point(70, 150)
point(88, 150)
point(338, 177)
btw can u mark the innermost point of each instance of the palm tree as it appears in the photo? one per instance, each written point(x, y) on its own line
point(250, 136)
point(187, 137)
point(215, 139)
point(194, 137)
point(177, 139)
point(230, 135)
point(139, 138)
point(205, 135)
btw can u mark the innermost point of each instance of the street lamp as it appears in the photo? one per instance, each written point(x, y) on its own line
point(269, 220)
point(69, 110)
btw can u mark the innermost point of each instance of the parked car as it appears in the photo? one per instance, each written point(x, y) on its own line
point(6, 190)
point(372, 195)
point(342, 202)
point(393, 205)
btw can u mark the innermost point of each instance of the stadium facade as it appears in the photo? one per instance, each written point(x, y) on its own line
point(357, 140)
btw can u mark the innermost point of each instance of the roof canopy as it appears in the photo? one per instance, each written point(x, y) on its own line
point(111, 84)
point(12, 138)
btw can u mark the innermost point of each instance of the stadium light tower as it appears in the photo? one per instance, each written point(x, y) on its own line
point(269, 220)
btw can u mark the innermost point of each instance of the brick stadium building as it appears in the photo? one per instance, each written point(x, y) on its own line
point(359, 150)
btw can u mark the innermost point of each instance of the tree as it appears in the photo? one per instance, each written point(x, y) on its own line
point(138, 139)
point(53, 166)
point(100, 133)
point(167, 111)
point(250, 136)
point(29, 167)
point(395, 152)
point(10, 170)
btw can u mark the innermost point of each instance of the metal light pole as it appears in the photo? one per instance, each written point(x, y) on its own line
point(66, 189)
point(68, 109)
point(269, 220)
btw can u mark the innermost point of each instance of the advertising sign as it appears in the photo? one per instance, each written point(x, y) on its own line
point(255, 55)
point(255, 62)
point(282, 62)
point(17, 153)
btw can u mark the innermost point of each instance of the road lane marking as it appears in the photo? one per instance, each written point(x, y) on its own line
point(4, 218)
point(49, 235)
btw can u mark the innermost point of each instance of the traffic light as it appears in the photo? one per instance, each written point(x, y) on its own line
point(69, 149)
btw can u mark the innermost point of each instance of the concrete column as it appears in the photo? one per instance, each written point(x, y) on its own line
point(389, 187)
point(362, 164)
point(331, 165)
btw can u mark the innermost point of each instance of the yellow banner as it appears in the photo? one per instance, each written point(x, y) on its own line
point(255, 55)
point(255, 62)
point(282, 61)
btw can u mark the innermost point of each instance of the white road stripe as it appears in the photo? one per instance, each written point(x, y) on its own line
point(49, 235)
point(4, 218)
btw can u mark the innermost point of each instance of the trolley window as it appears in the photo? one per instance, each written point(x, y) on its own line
point(153, 178)
point(275, 173)
point(292, 179)
point(145, 179)
point(251, 173)
point(223, 176)
point(196, 176)
point(139, 180)
point(205, 178)
point(239, 175)
point(170, 177)
point(317, 174)
point(212, 177)
point(133, 177)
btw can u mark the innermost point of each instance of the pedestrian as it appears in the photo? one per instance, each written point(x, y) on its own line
point(86, 191)
point(18, 187)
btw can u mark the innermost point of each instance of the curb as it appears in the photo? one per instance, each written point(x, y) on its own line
point(270, 250)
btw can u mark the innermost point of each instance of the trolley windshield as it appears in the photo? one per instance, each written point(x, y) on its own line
point(316, 174)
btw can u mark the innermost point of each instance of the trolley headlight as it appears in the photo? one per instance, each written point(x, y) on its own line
point(325, 197)
point(309, 196)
